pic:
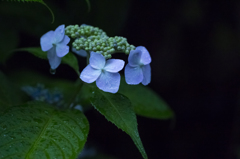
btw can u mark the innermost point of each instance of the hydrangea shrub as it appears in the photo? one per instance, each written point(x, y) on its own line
point(46, 119)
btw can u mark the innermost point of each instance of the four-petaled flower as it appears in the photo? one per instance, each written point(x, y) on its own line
point(138, 68)
point(55, 43)
point(105, 73)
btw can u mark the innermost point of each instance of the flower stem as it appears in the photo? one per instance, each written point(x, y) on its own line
point(88, 56)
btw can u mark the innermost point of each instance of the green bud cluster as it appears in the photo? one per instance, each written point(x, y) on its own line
point(91, 38)
point(76, 31)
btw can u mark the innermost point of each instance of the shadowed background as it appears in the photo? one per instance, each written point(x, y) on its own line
point(195, 67)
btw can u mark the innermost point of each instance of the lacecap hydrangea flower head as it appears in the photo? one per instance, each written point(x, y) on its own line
point(93, 43)
point(55, 43)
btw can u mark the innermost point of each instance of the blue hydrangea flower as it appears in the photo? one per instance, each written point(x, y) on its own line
point(40, 93)
point(105, 73)
point(138, 68)
point(55, 43)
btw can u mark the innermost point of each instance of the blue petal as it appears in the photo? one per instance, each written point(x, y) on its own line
point(79, 52)
point(59, 34)
point(89, 74)
point(108, 82)
point(133, 75)
point(79, 107)
point(114, 65)
point(145, 57)
point(46, 41)
point(134, 58)
point(97, 60)
point(53, 59)
point(65, 40)
point(146, 74)
point(62, 50)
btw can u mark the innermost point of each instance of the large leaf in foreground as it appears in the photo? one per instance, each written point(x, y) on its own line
point(68, 59)
point(37, 130)
point(145, 101)
point(117, 109)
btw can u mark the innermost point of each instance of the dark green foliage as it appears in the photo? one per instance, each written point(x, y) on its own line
point(39, 1)
point(118, 109)
point(145, 101)
point(37, 130)
point(9, 94)
point(69, 89)
point(69, 59)
point(8, 40)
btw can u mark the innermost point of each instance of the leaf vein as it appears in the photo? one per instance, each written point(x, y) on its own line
point(64, 138)
point(40, 134)
point(55, 143)
point(124, 121)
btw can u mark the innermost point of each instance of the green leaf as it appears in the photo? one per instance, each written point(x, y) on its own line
point(37, 130)
point(117, 109)
point(69, 59)
point(145, 101)
point(39, 1)
point(9, 94)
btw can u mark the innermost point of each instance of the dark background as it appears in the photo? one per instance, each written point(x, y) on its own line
point(194, 46)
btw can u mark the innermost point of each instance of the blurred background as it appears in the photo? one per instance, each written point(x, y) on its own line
point(195, 49)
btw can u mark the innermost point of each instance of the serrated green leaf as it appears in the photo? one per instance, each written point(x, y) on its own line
point(9, 94)
point(69, 59)
point(39, 1)
point(37, 130)
point(117, 109)
point(145, 101)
